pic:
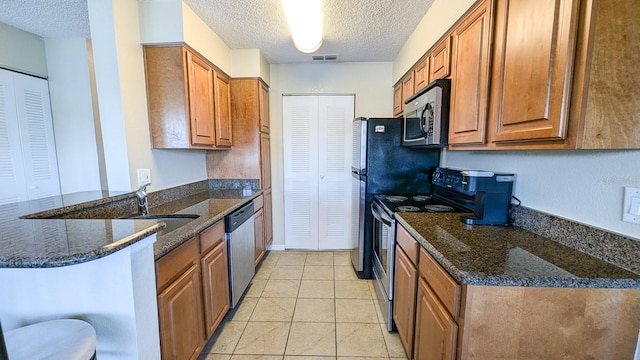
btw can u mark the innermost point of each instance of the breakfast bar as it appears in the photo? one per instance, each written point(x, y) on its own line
point(80, 256)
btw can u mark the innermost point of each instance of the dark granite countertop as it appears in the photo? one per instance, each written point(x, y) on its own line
point(210, 207)
point(53, 242)
point(509, 256)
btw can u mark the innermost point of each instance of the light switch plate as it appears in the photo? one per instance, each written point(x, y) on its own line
point(631, 205)
point(144, 176)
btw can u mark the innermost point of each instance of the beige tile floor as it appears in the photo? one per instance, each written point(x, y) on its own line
point(305, 305)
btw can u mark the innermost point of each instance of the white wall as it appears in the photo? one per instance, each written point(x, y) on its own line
point(199, 36)
point(371, 82)
point(68, 64)
point(249, 63)
point(123, 104)
point(22, 51)
point(584, 186)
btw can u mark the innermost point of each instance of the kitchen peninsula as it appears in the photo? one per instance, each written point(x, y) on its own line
point(74, 256)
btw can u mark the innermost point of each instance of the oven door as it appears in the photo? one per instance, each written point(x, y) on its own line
point(383, 248)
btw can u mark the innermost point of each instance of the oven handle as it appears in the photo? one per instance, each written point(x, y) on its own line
point(379, 215)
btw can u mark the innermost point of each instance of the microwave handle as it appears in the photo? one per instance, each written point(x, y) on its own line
point(378, 215)
point(423, 122)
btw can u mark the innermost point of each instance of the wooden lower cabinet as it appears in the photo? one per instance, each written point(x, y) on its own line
point(260, 246)
point(436, 331)
point(180, 303)
point(405, 282)
point(215, 285)
point(461, 321)
point(268, 216)
point(181, 334)
point(193, 293)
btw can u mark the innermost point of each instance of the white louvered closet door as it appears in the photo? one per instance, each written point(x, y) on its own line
point(12, 178)
point(335, 201)
point(317, 171)
point(29, 168)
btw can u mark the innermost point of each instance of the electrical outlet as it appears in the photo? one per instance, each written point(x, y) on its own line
point(631, 205)
point(144, 176)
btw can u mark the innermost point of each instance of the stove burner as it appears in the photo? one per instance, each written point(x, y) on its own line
point(421, 198)
point(408, 208)
point(396, 199)
point(439, 208)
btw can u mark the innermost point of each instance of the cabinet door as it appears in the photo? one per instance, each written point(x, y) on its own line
point(534, 49)
point(180, 317)
point(404, 303)
point(436, 331)
point(421, 74)
point(398, 104)
point(215, 284)
point(201, 100)
point(265, 160)
point(222, 108)
point(268, 227)
point(440, 60)
point(258, 231)
point(407, 87)
point(470, 80)
point(264, 108)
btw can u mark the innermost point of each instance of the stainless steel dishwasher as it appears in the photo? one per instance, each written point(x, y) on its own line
point(239, 229)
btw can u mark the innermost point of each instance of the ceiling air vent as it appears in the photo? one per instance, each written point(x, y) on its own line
point(323, 58)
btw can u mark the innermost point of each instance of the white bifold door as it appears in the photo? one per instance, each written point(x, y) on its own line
point(28, 165)
point(317, 171)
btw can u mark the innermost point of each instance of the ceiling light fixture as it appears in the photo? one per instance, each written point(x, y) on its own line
point(305, 22)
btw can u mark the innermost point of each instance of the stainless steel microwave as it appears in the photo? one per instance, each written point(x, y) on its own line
point(426, 116)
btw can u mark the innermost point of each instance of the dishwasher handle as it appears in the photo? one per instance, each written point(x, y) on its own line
point(238, 217)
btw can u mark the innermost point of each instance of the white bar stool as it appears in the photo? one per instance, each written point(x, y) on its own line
point(66, 339)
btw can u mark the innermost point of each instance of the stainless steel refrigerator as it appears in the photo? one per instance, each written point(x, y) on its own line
point(381, 165)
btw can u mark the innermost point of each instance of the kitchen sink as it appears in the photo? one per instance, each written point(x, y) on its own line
point(173, 221)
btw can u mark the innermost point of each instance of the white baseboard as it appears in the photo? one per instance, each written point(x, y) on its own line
point(276, 247)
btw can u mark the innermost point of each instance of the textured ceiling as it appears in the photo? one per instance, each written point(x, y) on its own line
point(356, 30)
point(47, 18)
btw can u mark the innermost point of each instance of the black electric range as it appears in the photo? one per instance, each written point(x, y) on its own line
point(416, 203)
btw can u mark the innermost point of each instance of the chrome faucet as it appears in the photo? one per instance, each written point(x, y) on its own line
point(143, 203)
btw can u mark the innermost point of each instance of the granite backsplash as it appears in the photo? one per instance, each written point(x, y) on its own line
point(613, 248)
point(125, 205)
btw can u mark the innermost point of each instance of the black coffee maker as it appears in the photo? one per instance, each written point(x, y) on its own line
point(485, 193)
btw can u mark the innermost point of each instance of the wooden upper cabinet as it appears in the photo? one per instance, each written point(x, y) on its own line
point(222, 108)
point(188, 100)
point(440, 60)
point(265, 155)
point(407, 87)
point(398, 104)
point(200, 84)
point(608, 77)
point(470, 77)
point(264, 108)
point(421, 74)
point(533, 68)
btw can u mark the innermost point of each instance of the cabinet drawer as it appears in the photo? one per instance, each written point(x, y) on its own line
point(407, 243)
point(258, 203)
point(211, 236)
point(173, 264)
point(446, 287)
